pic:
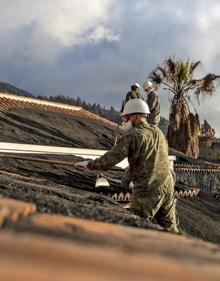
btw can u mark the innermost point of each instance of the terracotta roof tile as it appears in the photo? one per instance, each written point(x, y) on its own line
point(8, 101)
point(14, 209)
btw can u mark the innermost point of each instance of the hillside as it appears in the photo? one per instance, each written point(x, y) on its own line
point(10, 89)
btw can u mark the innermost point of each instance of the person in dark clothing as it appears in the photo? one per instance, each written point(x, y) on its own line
point(133, 94)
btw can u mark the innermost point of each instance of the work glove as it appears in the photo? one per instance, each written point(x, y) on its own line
point(82, 165)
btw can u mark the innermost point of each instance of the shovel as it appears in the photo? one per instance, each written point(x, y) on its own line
point(101, 181)
point(116, 136)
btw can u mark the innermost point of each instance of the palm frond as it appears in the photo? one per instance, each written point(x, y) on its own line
point(193, 82)
point(206, 86)
point(171, 65)
point(194, 65)
point(183, 72)
point(210, 77)
point(155, 77)
point(162, 70)
point(169, 89)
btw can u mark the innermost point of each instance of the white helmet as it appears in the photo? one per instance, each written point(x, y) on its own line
point(136, 84)
point(135, 106)
point(148, 85)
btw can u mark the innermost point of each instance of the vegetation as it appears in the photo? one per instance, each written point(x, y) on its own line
point(207, 135)
point(207, 131)
point(10, 89)
point(110, 114)
point(176, 76)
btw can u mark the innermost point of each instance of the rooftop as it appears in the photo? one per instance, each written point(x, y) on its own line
point(54, 222)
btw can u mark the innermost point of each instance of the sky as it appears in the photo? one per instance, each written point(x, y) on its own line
point(96, 49)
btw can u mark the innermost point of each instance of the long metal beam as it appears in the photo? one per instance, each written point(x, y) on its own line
point(6, 147)
point(85, 153)
point(45, 149)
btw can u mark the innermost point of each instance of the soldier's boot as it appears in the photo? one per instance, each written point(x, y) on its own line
point(173, 229)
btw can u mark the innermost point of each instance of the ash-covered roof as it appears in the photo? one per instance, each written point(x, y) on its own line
point(57, 201)
point(27, 120)
point(8, 101)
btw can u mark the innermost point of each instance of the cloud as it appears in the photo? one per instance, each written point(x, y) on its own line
point(50, 26)
point(96, 49)
point(101, 33)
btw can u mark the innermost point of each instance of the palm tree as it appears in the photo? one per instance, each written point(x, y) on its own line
point(177, 77)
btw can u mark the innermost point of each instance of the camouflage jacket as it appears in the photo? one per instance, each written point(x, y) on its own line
point(154, 107)
point(131, 95)
point(147, 151)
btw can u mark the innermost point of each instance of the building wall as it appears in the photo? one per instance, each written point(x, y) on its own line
point(208, 182)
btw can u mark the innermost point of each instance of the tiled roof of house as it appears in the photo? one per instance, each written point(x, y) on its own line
point(96, 250)
point(8, 101)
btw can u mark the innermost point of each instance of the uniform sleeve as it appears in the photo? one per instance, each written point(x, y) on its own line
point(153, 101)
point(114, 156)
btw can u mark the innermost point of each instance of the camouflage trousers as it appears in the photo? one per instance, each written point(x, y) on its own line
point(157, 208)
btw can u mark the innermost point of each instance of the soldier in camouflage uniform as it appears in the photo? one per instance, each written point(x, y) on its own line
point(133, 94)
point(153, 103)
point(147, 152)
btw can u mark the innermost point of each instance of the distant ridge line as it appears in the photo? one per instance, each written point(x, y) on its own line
point(10, 89)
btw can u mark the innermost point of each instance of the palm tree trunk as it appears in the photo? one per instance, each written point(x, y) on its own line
point(183, 128)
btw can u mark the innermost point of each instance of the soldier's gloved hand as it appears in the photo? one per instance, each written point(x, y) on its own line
point(82, 165)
